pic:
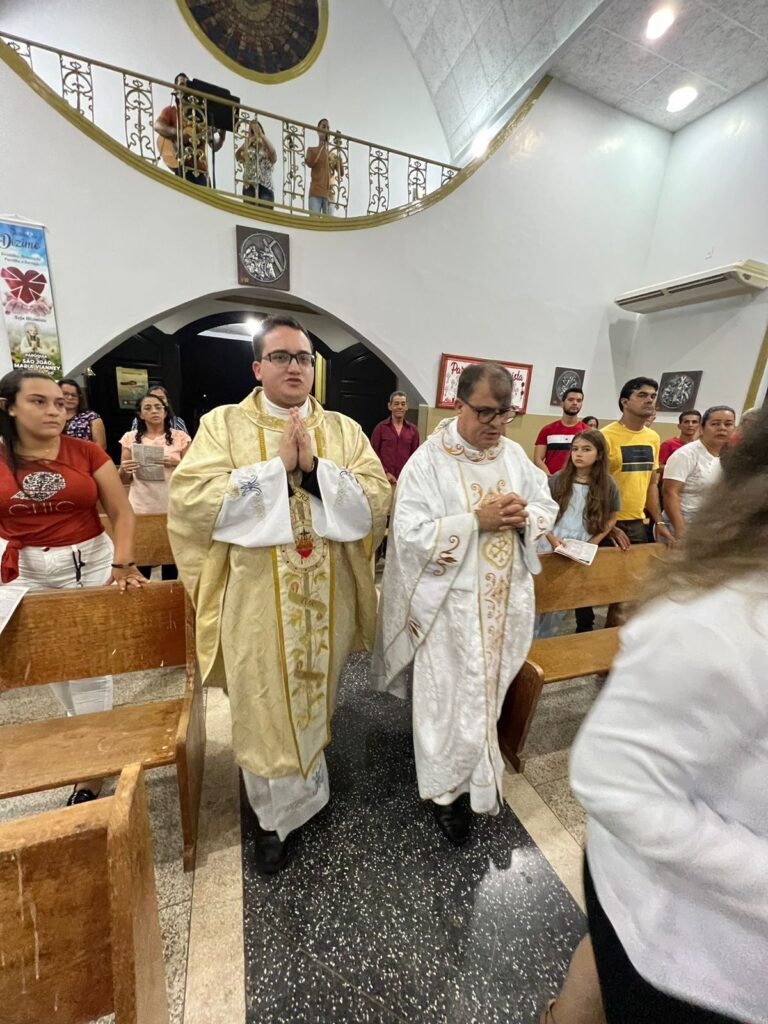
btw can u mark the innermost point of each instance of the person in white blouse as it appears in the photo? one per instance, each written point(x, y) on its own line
point(692, 469)
point(672, 768)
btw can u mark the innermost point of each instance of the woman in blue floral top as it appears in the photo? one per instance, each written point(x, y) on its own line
point(81, 422)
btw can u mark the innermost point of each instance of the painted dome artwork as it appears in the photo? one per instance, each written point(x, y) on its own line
point(260, 38)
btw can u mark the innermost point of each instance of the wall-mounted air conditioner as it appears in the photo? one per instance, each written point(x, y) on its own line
point(742, 278)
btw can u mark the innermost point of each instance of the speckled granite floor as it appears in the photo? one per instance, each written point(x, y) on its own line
point(379, 919)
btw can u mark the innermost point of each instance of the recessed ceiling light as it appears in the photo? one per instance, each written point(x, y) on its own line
point(681, 98)
point(253, 324)
point(659, 22)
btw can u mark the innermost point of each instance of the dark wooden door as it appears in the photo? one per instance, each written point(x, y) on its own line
point(359, 385)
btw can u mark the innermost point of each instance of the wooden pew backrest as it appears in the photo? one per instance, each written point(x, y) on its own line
point(77, 634)
point(613, 577)
point(151, 545)
point(81, 935)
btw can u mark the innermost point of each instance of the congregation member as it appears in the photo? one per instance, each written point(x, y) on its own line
point(672, 768)
point(591, 422)
point(588, 502)
point(177, 423)
point(148, 491)
point(689, 423)
point(633, 462)
point(457, 598)
point(693, 468)
point(258, 157)
point(553, 444)
point(51, 533)
point(395, 439)
point(274, 515)
point(326, 170)
point(81, 421)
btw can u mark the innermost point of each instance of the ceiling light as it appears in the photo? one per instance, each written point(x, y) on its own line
point(681, 98)
point(480, 144)
point(253, 324)
point(659, 22)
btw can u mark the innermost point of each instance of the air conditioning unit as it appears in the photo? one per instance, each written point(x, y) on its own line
point(742, 278)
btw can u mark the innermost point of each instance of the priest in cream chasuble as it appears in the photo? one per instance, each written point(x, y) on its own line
point(457, 599)
point(274, 515)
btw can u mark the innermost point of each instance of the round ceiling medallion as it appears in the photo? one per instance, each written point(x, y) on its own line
point(269, 40)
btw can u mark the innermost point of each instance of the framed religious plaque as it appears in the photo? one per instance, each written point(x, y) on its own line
point(263, 258)
point(678, 390)
point(565, 378)
point(450, 371)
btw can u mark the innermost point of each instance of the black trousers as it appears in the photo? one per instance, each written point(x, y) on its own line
point(627, 997)
point(168, 572)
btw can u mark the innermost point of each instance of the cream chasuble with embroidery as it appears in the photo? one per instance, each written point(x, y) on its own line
point(458, 604)
point(282, 581)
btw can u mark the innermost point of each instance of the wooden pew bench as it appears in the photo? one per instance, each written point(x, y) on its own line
point(151, 545)
point(615, 577)
point(55, 635)
point(80, 927)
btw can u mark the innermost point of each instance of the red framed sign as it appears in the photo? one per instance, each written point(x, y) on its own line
point(450, 371)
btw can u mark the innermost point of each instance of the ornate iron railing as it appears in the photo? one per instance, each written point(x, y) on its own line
point(365, 178)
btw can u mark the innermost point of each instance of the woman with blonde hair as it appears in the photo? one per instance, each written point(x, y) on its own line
point(672, 768)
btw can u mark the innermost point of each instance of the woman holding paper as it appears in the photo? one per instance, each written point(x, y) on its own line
point(149, 456)
point(589, 501)
point(51, 534)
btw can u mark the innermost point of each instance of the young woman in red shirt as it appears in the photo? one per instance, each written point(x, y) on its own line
point(51, 534)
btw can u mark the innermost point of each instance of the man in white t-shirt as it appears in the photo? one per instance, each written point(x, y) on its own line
point(692, 469)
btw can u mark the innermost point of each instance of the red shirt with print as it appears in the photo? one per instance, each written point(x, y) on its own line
point(50, 502)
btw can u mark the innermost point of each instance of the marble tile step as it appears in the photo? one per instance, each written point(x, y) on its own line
point(375, 895)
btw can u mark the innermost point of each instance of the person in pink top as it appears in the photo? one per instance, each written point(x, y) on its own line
point(148, 486)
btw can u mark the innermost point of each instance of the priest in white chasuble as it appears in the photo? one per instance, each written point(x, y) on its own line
point(457, 597)
point(275, 512)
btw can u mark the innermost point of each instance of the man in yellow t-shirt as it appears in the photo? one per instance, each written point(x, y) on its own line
point(633, 462)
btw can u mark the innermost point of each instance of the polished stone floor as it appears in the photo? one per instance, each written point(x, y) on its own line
point(378, 918)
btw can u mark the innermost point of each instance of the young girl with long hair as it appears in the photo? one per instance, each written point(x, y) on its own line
point(589, 501)
point(51, 534)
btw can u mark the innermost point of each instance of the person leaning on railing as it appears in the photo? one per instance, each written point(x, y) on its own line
point(258, 157)
point(51, 534)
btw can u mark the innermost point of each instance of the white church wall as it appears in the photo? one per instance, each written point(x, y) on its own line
point(713, 211)
point(521, 262)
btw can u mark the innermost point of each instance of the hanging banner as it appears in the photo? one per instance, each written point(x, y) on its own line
point(27, 299)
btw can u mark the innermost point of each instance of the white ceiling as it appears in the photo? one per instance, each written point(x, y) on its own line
point(718, 46)
point(478, 56)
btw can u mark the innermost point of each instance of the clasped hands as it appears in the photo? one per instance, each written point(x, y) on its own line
point(295, 448)
point(507, 512)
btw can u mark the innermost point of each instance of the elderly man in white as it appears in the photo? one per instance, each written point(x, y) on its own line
point(457, 595)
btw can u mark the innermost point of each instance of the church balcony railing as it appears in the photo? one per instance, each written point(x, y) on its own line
point(118, 108)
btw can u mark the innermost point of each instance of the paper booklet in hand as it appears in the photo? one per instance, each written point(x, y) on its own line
point(150, 460)
point(579, 550)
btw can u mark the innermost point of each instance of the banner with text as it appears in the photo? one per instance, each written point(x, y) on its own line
point(27, 299)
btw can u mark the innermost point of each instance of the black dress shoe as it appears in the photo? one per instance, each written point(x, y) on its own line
point(454, 821)
point(80, 796)
point(271, 852)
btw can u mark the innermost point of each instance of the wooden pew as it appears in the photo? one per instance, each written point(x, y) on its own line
point(80, 928)
point(613, 578)
point(56, 635)
point(151, 546)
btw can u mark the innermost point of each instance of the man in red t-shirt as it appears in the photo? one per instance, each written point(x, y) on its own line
point(553, 444)
point(690, 424)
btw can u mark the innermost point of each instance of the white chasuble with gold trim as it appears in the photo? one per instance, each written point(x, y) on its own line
point(281, 579)
point(458, 605)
